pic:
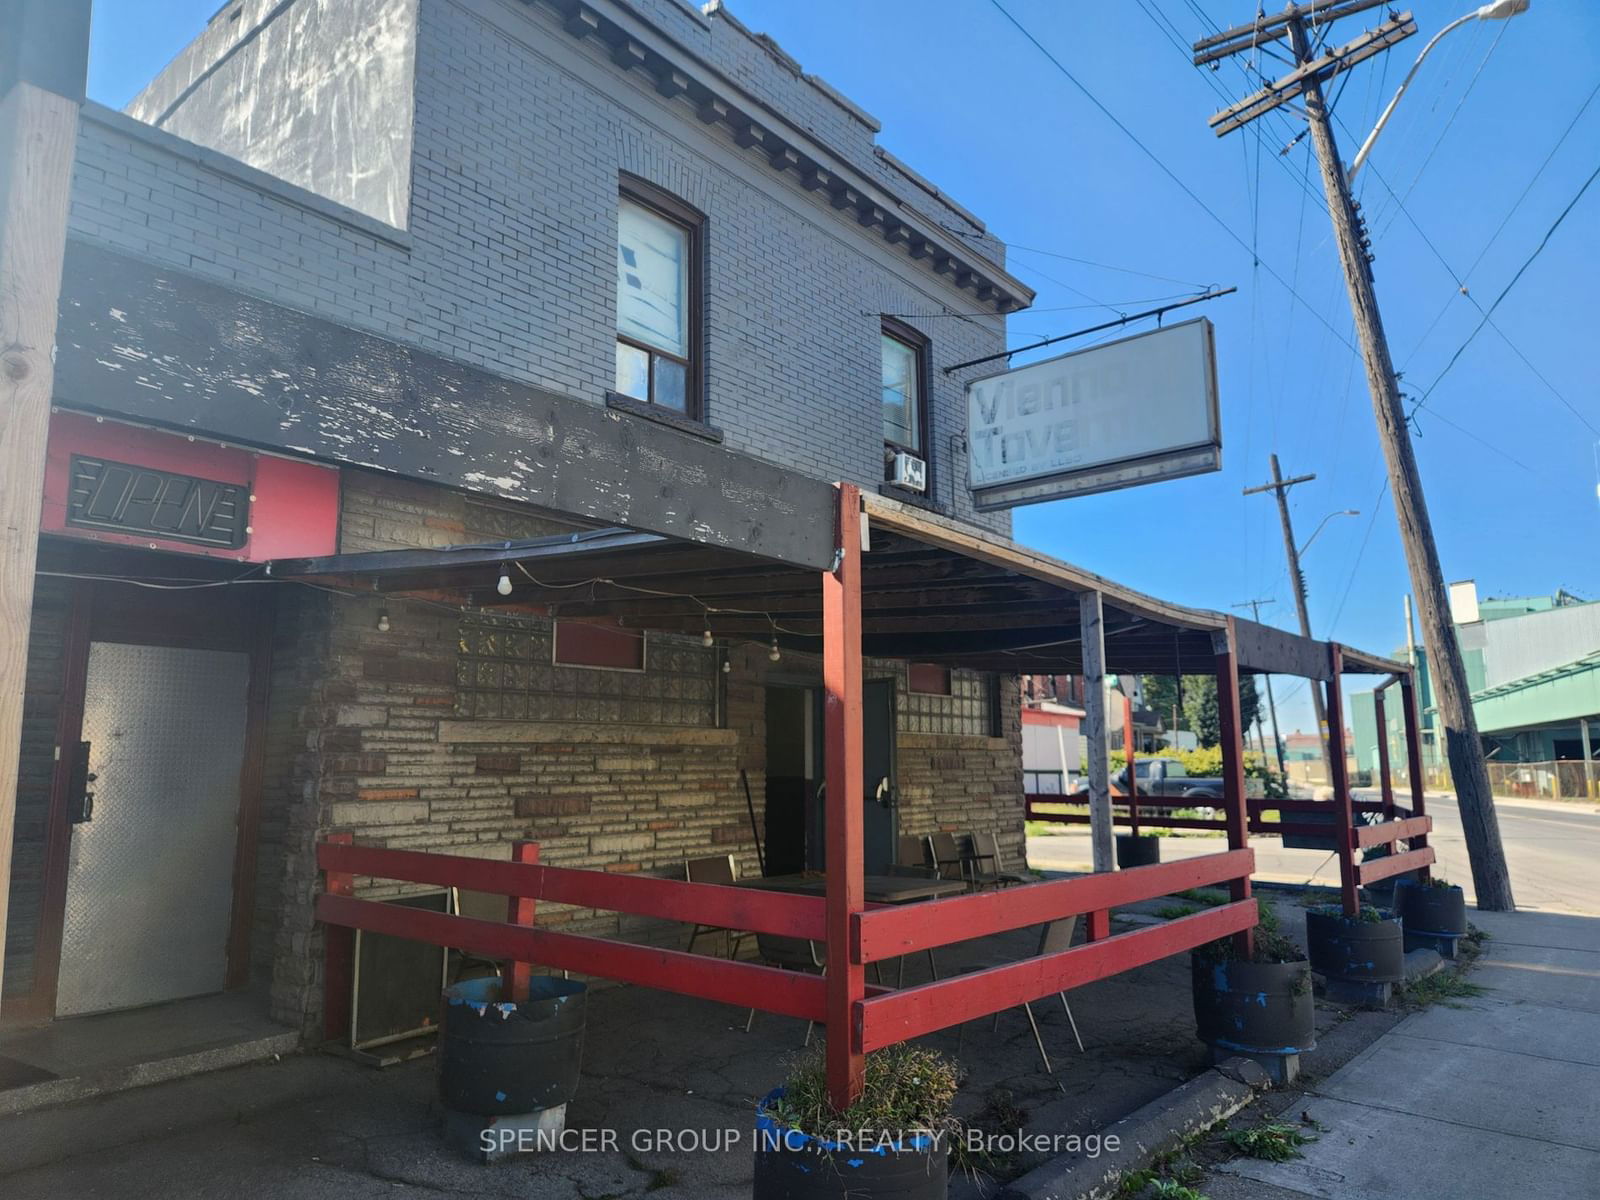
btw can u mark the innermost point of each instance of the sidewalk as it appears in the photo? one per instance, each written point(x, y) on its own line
point(1497, 1097)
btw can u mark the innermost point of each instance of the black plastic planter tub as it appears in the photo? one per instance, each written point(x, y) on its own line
point(1427, 909)
point(1310, 841)
point(1261, 1008)
point(1368, 951)
point(1141, 851)
point(796, 1166)
point(497, 1058)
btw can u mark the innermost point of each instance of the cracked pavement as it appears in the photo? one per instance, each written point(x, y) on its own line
point(314, 1125)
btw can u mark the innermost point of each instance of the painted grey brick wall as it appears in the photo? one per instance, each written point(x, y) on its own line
point(508, 262)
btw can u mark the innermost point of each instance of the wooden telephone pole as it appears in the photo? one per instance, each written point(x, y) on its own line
point(1448, 675)
point(1281, 486)
point(44, 57)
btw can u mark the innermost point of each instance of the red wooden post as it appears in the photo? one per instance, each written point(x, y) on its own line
point(1383, 755)
point(1408, 698)
point(1233, 784)
point(1097, 925)
point(841, 681)
point(520, 911)
point(338, 953)
point(1341, 784)
point(1127, 753)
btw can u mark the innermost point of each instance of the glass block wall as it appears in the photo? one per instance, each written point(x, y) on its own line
point(504, 672)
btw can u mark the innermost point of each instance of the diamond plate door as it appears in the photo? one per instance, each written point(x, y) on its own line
point(150, 876)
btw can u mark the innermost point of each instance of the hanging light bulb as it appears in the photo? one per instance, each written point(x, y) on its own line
point(504, 586)
point(383, 621)
point(727, 666)
point(707, 640)
point(774, 654)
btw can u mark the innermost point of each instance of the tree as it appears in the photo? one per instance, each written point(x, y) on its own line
point(1200, 708)
point(1249, 705)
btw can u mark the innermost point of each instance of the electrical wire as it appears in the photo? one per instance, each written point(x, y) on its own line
point(1505, 291)
point(1172, 175)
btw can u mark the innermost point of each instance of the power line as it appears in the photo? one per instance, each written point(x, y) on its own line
point(1153, 157)
point(1511, 212)
point(1462, 289)
point(1528, 262)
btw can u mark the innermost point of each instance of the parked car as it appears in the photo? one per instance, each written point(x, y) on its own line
point(1161, 777)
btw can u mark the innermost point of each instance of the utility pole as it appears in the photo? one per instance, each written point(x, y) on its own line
point(1448, 676)
point(1272, 705)
point(1281, 486)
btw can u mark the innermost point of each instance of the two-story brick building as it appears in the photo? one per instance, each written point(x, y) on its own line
point(408, 275)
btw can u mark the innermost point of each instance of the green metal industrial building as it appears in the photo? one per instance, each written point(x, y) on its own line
point(1533, 665)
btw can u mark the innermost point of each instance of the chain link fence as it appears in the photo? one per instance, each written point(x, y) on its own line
point(1564, 780)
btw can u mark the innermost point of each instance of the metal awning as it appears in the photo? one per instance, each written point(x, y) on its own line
point(932, 591)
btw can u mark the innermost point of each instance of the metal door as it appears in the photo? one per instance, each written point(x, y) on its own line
point(880, 815)
point(880, 820)
point(150, 871)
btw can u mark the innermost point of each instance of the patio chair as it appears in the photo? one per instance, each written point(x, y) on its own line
point(791, 954)
point(948, 857)
point(717, 868)
point(988, 866)
point(913, 872)
point(1054, 936)
point(913, 850)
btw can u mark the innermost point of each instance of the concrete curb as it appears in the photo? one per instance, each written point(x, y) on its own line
point(117, 1079)
point(1162, 1125)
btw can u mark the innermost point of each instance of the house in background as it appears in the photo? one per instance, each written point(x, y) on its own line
point(1052, 738)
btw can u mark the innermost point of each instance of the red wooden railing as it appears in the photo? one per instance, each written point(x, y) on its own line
point(747, 985)
point(885, 1015)
point(894, 1016)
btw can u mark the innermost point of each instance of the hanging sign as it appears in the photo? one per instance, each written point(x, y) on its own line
point(1133, 411)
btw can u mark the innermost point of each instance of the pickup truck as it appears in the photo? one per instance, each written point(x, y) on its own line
point(1163, 777)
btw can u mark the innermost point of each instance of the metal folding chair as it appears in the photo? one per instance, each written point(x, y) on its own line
point(1054, 936)
point(792, 954)
point(717, 868)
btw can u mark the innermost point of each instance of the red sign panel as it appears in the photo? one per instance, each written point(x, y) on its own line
point(131, 486)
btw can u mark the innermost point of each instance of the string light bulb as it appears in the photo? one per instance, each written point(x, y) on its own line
point(383, 621)
point(774, 654)
point(727, 666)
point(707, 640)
point(504, 586)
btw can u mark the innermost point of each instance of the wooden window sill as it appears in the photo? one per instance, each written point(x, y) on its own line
point(663, 416)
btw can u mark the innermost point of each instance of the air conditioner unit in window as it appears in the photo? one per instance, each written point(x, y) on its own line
point(909, 471)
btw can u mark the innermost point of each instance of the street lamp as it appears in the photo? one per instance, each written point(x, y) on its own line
point(1496, 11)
point(1344, 512)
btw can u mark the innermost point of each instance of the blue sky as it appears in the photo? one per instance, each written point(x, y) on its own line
point(1507, 440)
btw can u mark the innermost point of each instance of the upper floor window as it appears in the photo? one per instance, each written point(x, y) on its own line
point(658, 300)
point(905, 410)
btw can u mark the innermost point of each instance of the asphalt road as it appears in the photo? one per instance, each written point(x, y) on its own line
point(1553, 851)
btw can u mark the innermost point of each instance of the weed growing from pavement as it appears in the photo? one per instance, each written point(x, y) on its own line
point(1171, 912)
point(1276, 1141)
point(1443, 987)
point(1208, 897)
point(1169, 1176)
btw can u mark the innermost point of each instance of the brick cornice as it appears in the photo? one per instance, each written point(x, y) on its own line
point(680, 76)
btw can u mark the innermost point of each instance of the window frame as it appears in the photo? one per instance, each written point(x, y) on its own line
point(921, 348)
point(633, 190)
